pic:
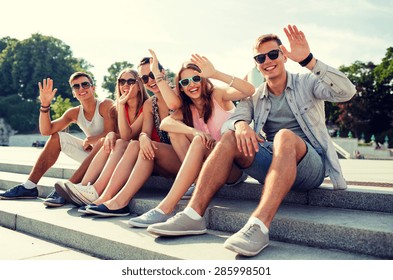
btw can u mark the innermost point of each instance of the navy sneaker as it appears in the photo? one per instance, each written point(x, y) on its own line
point(102, 210)
point(83, 209)
point(19, 192)
point(54, 200)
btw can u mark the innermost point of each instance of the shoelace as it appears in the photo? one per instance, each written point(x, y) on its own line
point(249, 231)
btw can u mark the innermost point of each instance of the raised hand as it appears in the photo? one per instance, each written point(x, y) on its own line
point(47, 93)
point(204, 64)
point(125, 96)
point(154, 63)
point(299, 48)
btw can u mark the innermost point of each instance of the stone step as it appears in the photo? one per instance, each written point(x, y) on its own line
point(359, 197)
point(112, 238)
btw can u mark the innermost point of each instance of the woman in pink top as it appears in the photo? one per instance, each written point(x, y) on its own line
point(195, 128)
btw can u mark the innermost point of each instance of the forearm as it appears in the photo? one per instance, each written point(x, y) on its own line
point(124, 129)
point(244, 87)
point(45, 124)
point(171, 125)
point(170, 97)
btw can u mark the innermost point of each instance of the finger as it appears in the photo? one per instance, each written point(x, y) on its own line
point(244, 146)
point(50, 83)
point(238, 143)
point(254, 143)
point(40, 86)
point(44, 83)
point(54, 91)
point(260, 139)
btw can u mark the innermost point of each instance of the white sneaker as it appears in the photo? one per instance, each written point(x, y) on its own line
point(87, 194)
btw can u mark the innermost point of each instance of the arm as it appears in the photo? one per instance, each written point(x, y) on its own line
point(335, 86)
point(171, 99)
point(146, 145)
point(238, 88)
point(48, 127)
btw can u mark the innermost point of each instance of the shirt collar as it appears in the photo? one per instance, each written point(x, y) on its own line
point(265, 92)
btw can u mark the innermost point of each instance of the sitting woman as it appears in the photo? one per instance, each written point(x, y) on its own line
point(196, 128)
point(130, 97)
point(156, 154)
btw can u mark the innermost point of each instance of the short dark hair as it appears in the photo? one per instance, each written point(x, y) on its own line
point(146, 60)
point(266, 38)
point(76, 75)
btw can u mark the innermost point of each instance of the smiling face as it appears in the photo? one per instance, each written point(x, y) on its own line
point(80, 90)
point(124, 89)
point(151, 83)
point(193, 89)
point(271, 69)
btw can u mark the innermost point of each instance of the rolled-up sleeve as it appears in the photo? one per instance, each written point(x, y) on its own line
point(244, 112)
point(334, 86)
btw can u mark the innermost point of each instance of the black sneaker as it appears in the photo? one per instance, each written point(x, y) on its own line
point(19, 192)
point(54, 200)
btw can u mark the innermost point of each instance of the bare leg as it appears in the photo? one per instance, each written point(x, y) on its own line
point(121, 173)
point(103, 166)
point(83, 168)
point(167, 161)
point(289, 149)
point(216, 170)
point(188, 173)
point(180, 143)
point(47, 158)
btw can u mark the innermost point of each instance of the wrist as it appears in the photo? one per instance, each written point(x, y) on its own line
point(143, 134)
point(45, 106)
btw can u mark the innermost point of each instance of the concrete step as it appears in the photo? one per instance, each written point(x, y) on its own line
point(111, 238)
point(357, 197)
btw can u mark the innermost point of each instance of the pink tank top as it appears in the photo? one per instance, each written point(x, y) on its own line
point(214, 124)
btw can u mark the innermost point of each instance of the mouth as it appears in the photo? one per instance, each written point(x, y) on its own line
point(83, 93)
point(153, 85)
point(194, 90)
point(270, 68)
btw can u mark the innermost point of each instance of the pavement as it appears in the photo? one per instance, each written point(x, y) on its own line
point(18, 246)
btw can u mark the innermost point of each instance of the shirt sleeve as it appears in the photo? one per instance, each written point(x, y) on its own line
point(244, 112)
point(333, 85)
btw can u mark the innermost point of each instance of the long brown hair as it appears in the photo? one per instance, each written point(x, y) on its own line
point(207, 88)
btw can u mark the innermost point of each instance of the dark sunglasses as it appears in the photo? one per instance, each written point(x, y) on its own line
point(84, 85)
point(129, 82)
point(260, 58)
point(145, 78)
point(185, 82)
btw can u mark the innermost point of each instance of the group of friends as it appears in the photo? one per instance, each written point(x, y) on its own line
point(195, 134)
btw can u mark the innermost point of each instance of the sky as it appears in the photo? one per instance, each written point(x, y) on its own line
point(339, 32)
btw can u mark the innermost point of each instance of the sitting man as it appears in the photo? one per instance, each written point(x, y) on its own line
point(92, 116)
point(297, 153)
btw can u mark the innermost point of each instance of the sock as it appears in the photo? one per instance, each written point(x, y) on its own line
point(192, 213)
point(160, 211)
point(29, 185)
point(255, 220)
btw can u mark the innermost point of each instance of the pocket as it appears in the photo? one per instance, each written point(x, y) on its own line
point(310, 112)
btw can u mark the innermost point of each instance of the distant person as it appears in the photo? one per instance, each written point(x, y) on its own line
point(92, 116)
point(296, 153)
point(130, 97)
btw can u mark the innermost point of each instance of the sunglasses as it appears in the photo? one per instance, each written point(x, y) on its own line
point(145, 78)
point(260, 58)
point(84, 85)
point(129, 82)
point(185, 82)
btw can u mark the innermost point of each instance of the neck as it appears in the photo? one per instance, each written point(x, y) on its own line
point(89, 104)
point(278, 84)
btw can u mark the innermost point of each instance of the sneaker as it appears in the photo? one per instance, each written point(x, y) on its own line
point(189, 192)
point(248, 241)
point(54, 200)
point(62, 191)
point(19, 192)
point(242, 178)
point(83, 209)
point(151, 217)
point(180, 224)
point(102, 210)
point(86, 194)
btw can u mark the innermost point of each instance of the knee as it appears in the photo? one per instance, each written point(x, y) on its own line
point(286, 140)
point(54, 139)
point(228, 140)
point(133, 146)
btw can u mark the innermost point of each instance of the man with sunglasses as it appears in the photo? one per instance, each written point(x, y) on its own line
point(296, 153)
point(92, 116)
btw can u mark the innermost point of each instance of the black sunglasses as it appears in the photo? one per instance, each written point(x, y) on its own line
point(185, 82)
point(260, 58)
point(129, 82)
point(145, 78)
point(84, 85)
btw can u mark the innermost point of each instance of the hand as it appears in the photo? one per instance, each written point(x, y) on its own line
point(154, 64)
point(246, 139)
point(205, 65)
point(109, 142)
point(123, 98)
point(87, 144)
point(207, 139)
point(47, 92)
point(298, 44)
point(146, 147)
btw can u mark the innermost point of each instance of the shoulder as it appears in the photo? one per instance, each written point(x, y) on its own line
point(72, 113)
point(105, 104)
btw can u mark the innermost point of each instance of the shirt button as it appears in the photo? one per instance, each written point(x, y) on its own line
point(318, 73)
point(331, 84)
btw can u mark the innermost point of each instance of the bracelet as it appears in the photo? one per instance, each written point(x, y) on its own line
point(307, 60)
point(45, 107)
point(231, 83)
point(44, 111)
point(159, 79)
point(143, 133)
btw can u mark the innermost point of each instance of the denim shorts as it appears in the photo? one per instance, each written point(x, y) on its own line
point(310, 170)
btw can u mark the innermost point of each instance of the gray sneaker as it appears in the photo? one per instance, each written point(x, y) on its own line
point(189, 192)
point(248, 241)
point(180, 224)
point(152, 216)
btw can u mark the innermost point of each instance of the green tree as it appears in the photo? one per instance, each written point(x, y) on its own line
point(23, 64)
point(110, 80)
